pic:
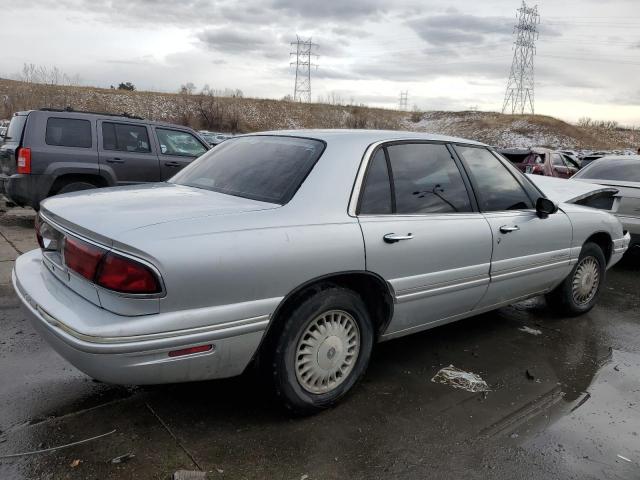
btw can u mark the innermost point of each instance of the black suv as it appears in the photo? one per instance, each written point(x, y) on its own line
point(47, 152)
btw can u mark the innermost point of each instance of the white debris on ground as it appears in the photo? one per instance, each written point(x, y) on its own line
point(457, 378)
point(530, 330)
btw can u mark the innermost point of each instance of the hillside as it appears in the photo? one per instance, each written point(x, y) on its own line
point(249, 114)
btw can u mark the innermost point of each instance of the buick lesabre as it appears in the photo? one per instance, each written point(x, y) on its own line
point(298, 251)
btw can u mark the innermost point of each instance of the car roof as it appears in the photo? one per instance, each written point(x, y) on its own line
point(366, 136)
point(103, 116)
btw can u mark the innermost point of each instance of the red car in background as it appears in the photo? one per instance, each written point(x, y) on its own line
point(542, 161)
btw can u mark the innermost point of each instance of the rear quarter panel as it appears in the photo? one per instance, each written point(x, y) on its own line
point(220, 262)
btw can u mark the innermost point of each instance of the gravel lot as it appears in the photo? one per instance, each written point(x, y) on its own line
point(564, 403)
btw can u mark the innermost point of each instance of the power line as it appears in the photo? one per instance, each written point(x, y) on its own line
point(403, 104)
point(519, 96)
point(303, 52)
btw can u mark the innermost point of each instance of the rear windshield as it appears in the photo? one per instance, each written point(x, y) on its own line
point(14, 134)
point(621, 170)
point(264, 168)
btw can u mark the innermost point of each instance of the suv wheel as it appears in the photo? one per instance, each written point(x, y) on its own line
point(75, 187)
point(322, 351)
point(578, 293)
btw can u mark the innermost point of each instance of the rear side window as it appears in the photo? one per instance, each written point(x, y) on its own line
point(175, 142)
point(496, 187)
point(264, 168)
point(125, 137)
point(376, 195)
point(68, 132)
point(556, 160)
point(426, 179)
point(620, 170)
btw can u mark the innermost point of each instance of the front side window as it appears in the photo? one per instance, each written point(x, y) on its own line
point(125, 137)
point(264, 168)
point(376, 195)
point(496, 187)
point(68, 132)
point(426, 179)
point(175, 142)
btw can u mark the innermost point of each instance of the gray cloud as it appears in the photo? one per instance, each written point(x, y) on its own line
point(231, 40)
point(460, 29)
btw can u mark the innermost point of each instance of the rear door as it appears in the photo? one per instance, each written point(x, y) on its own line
point(559, 167)
point(422, 233)
point(126, 152)
point(177, 149)
point(530, 254)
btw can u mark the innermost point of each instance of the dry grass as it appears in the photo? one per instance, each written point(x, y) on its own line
point(250, 114)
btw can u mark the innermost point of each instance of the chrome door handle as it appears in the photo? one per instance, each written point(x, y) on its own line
point(505, 229)
point(396, 237)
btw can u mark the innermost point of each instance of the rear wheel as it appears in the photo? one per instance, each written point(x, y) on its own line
point(75, 187)
point(322, 351)
point(578, 293)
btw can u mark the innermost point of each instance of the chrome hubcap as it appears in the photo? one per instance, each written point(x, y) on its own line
point(586, 280)
point(327, 351)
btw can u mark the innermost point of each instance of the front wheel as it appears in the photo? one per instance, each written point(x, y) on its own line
point(578, 293)
point(322, 351)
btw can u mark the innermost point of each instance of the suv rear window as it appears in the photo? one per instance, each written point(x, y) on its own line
point(16, 126)
point(265, 168)
point(68, 132)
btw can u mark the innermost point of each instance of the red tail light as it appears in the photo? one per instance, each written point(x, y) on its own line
point(108, 269)
point(127, 276)
point(82, 257)
point(23, 163)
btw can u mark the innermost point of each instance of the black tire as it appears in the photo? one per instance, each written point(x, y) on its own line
point(75, 187)
point(562, 297)
point(294, 396)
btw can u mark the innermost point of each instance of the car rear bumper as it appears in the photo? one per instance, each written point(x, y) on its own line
point(138, 359)
point(620, 246)
point(25, 190)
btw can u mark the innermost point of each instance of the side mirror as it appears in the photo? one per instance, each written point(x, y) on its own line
point(545, 207)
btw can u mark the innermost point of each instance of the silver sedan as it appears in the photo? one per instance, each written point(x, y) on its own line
point(298, 251)
point(621, 172)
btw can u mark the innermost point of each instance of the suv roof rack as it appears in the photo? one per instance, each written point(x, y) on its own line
point(69, 109)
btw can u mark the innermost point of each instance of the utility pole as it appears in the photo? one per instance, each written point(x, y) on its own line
point(519, 97)
point(303, 52)
point(403, 104)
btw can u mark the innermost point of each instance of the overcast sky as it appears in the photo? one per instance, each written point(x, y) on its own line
point(449, 55)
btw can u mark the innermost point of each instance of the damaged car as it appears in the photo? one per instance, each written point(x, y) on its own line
point(298, 251)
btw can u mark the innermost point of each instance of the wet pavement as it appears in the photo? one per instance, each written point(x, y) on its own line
point(564, 402)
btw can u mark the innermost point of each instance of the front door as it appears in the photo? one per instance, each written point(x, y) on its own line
point(178, 149)
point(423, 235)
point(126, 153)
point(530, 254)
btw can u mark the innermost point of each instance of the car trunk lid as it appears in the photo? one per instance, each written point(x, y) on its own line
point(573, 191)
point(104, 214)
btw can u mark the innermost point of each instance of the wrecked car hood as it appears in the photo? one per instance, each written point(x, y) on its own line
point(568, 191)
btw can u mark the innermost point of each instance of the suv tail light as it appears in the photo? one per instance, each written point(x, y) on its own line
point(23, 164)
point(108, 269)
